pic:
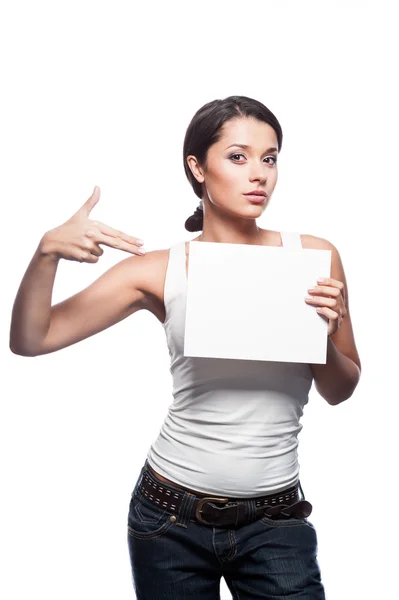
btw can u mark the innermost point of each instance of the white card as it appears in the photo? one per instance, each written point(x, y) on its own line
point(248, 302)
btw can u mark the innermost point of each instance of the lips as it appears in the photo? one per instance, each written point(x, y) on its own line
point(257, 196)
point(256, 193)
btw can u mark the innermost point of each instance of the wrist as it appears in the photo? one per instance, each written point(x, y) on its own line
point(47, 249)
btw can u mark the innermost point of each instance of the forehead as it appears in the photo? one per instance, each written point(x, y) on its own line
point(247, 130)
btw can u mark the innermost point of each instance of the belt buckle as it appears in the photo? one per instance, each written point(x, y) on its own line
point(200, 504)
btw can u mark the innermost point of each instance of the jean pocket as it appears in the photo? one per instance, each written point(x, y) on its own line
point(286, 522)
point(146, 520)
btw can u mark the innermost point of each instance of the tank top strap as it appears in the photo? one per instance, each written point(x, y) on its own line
point(291, 239)
point(176, 271)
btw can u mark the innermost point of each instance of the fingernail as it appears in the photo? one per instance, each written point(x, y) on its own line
point(141, 251)
point(140, 242)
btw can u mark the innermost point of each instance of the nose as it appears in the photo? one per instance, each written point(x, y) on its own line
point(257, 173)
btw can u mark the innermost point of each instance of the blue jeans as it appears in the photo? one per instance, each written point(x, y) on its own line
point(178, 559)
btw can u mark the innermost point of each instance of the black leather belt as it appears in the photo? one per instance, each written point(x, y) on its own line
point(281, 505)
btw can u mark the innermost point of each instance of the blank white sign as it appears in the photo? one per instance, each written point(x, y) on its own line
point(248, 302)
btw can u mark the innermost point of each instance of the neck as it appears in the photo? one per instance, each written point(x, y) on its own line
point(233, 238)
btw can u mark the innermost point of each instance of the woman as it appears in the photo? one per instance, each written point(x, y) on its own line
point(219, 494)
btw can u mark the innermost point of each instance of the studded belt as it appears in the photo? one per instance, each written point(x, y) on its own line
point(218, 511)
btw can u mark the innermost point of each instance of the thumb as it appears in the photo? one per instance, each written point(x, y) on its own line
point(92, 201)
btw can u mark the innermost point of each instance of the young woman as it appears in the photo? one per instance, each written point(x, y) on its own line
point(219, 493)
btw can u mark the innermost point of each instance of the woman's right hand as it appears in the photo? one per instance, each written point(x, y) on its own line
point(79, 237)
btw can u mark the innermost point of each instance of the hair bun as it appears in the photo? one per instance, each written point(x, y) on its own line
point(196, 221)
point(199, 212)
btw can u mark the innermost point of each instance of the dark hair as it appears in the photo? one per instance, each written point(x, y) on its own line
point(204, 130)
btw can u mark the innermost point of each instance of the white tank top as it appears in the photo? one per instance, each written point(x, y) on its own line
point(232, 427)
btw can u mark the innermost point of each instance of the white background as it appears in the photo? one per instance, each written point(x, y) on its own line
point(101, 93)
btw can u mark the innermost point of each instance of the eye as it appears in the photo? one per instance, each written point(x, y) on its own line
point(267, 157)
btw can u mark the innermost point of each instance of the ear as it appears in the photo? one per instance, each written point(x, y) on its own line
point(195, 168)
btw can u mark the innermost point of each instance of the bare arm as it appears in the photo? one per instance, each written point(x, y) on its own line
point(31, 311)
point(38, 328)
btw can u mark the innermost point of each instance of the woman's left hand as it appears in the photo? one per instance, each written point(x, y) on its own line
point(329, 297)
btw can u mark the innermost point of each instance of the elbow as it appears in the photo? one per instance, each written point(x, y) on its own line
point(22, 346)
point(333, 401)
point(21, 351)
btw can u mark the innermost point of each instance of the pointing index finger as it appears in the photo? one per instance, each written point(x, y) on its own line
point(119, 234)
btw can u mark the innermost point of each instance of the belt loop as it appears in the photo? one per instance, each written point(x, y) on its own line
point(252, 516)
point(185, 509)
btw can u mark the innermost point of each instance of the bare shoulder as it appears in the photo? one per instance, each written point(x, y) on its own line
point(313, 242)
point(153, 262)
point(344, 338)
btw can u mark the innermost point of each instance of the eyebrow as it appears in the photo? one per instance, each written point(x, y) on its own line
point(245, 147)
